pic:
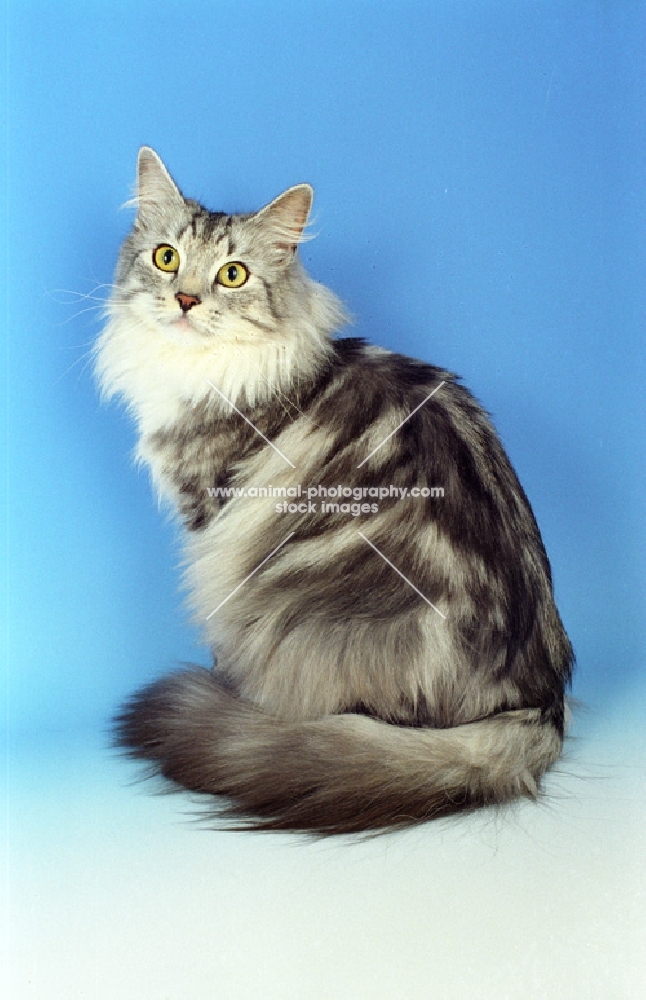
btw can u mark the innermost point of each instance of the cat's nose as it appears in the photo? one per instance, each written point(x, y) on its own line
point(187, 302)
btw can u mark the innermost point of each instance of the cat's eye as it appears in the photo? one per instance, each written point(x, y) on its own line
point(166, 258)
point(233, 275)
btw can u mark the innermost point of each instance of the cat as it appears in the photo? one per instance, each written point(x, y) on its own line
point(386, 645)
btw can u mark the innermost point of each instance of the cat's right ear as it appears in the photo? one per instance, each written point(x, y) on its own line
point(157, 192)
point(285, 218)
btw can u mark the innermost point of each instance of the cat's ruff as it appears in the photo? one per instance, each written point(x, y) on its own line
point(342, 702)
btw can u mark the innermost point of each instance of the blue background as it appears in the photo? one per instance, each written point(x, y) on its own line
point(479, 179)
point(480, 203)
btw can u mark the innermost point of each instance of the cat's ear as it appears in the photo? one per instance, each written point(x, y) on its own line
point(285, 218)
point(157, 192)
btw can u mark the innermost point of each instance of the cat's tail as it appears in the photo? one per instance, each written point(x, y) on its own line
point(335, 775)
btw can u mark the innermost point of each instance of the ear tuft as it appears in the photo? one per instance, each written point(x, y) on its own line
point(286, 218)
point(157, 192)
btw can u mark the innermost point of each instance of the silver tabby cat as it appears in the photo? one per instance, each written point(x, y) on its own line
point(376, 664)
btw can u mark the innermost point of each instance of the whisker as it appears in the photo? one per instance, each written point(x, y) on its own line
point(87, 357)
point(76, 296)
point(80, 312)
point(75, 347)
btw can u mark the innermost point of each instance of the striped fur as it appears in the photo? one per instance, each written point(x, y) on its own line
point(345, 697)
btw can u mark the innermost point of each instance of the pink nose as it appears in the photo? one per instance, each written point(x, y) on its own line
point(187, 302)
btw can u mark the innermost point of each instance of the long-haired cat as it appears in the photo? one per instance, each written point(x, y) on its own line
point(384, 654)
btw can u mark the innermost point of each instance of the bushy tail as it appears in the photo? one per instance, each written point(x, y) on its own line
point(338, 774)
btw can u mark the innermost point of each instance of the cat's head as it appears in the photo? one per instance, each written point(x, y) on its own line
point(199, 274)
point(213, 296)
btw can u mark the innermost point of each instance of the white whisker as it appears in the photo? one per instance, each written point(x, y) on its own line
point(86, 356)
point(95, 309)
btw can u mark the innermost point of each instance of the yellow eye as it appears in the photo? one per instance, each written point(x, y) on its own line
point(233, 275)
point(166, 258)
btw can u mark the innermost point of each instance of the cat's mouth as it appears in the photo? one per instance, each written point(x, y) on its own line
point(183, 330)
point(183, 322)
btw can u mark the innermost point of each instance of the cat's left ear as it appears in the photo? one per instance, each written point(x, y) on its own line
point(286, 218)
point(157, 192)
